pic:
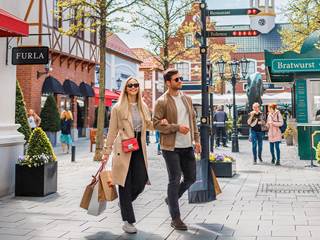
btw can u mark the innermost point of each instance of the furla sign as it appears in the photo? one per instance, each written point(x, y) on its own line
point(30, 55)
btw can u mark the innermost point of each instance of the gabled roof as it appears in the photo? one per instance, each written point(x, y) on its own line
point(115, 44)
point(148, 60)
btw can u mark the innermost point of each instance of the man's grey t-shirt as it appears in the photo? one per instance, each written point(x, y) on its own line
point(182, 140)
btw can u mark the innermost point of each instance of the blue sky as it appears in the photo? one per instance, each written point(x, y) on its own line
point(135, 39)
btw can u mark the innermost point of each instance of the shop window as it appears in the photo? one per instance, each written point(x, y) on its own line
point(188, 41)
point(184, 70)
point(315, 100)
point(43, 99)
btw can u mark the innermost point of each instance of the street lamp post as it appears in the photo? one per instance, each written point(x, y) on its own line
point(234, 66)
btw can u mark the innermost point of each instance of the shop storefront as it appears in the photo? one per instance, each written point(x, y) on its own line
point(302, 70)
point(11, 141)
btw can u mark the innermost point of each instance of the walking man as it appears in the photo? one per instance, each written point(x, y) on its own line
point(256, 122)
point(220, 118)
point(176, 140)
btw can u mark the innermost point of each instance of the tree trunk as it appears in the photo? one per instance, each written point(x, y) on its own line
point(102, 80)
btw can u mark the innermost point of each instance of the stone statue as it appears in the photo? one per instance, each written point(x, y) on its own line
point(254, 89)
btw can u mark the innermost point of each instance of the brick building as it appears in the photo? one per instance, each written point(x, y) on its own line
point(151, 72)
point(73, 68)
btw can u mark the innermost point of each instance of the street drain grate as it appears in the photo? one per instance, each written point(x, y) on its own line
point(289, 188)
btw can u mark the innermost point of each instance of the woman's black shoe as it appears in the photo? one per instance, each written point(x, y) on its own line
point(273, 161)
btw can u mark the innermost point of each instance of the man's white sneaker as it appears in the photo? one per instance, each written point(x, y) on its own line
point(129, 228)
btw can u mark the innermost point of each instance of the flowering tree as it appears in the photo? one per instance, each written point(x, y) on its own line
point(160, 20)
point(304, 18)
point(101, 16)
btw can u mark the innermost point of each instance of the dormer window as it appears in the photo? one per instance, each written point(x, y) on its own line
point(188, 40)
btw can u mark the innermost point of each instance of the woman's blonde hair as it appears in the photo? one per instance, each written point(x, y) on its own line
point(66, 115)
point(124, 102)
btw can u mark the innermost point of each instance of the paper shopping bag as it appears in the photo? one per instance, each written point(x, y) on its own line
point(217, 188)
point(96, 207)
point(109, 189)
point(87, 195)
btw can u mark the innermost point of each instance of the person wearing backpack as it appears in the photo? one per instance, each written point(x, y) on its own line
point(274, 124)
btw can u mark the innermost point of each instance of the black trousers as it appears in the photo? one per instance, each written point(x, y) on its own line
point(221, 135)
point(136, 180)
point(180, 161)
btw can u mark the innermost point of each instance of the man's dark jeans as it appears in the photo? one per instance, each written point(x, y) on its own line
point(221, 135)
point(257, 141)
point(181, 160)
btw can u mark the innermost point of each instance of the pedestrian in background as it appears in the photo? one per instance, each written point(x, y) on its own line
point(129, 119)
point(158, 142)
point(220, 118)
point(274, 122)
point(177, 139)
point(65, 136)
point(33, 119)
point(256, 122)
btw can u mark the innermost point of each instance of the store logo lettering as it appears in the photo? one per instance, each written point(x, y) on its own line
point(29, 56)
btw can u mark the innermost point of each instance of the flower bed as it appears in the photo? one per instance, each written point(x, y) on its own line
point(223, 165)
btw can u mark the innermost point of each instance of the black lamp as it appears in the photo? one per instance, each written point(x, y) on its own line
point(119, 81)
point(244, 65)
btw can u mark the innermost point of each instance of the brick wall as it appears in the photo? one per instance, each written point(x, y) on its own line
point(31, 86)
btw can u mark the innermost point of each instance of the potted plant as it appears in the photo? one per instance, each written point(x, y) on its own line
point(50, 119)
point(318, 153)
point(21, 114)
point(36, 172)
point(222, 165)
point(289, 134)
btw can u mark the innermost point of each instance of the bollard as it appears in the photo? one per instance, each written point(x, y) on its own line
point(73, 153)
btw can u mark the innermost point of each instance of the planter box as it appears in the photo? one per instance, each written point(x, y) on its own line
point(224, 169)
point(36, 181)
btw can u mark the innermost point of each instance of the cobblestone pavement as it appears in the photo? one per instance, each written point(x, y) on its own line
point(261, 202)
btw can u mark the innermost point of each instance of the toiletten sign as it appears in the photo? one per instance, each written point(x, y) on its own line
point(296, 65)
point(30, 55)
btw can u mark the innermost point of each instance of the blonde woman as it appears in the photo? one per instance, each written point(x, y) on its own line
point(274, 122)
point(65, 137)
point(129, 119)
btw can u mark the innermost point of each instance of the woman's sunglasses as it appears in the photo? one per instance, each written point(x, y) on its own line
point(178, 79)
point(131, 85)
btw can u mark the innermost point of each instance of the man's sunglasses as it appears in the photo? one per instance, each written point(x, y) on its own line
point(131, 85)
point(178, 79)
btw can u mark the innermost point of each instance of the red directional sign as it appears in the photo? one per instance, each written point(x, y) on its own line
point(237, 33)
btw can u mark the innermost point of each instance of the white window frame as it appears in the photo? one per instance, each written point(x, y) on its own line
point(186, 36)
point(189, 66)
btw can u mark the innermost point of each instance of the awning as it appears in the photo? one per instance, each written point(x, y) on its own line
point(52, 85)
point(71, 88)
point(11, 26)
point(108, 97)
point(86, 90)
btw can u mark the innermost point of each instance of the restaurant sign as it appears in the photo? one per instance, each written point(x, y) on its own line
point(296, 65)
point(30, 55)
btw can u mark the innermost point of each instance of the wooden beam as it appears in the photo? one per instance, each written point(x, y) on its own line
point(40, 23)
point(28, 10)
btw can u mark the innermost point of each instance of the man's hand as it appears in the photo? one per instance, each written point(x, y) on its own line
point(184, 129)
point(164, 122)
point(197, 148)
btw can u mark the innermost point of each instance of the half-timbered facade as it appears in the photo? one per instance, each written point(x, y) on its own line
point(72, 58)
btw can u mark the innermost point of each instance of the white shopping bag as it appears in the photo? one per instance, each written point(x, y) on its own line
point(96, 207)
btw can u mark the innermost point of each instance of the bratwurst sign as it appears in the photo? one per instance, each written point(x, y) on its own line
point(30, 55)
